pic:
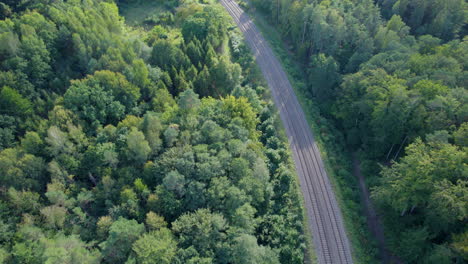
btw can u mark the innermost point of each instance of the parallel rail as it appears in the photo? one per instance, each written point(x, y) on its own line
point(325, 219)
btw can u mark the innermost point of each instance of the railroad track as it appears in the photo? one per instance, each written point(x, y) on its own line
point(324, 216)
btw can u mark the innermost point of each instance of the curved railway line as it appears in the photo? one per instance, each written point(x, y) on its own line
point(324, 216)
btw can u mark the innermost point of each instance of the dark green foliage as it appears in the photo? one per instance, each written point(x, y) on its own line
point(443, 19)
point(165, 55)
point(7, 131)
point(122, 234)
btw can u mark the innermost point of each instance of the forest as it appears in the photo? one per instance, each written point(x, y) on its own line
point(154, 143)
point(391, 75)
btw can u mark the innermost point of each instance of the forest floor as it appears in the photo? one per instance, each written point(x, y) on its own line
point(135, 13)
point(373, 219)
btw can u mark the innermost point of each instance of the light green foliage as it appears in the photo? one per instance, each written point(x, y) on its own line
point(152, 128)
point(207, 24)
point(246, 250)
point(13, 103)
point(163, 100)
point(231, 197)
point(4, 255)
point(154, 221)
point(431, 179)
point(137, 145)
point(103, 226)
point(239, 107)
point(212, 132)
point(225, 76)
point(118, 86)
point(54, 216)
point(58, 141)
point(27, 252)
point(202, 229)
point(461, 135)
point(6, 232)
point(155, 247)
point(62, 249)
point(32, 143)
point(244, 217)
point(21, 171)
point(412, 179)
point(188, 101)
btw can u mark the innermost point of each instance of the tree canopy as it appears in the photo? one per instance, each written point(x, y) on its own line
point(137, 145)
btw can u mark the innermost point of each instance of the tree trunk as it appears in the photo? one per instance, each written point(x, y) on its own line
point(401, 146)
point(303, 32)
point(403, 212)
point(390, 151)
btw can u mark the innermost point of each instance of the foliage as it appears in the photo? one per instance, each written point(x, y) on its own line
point(148, 145)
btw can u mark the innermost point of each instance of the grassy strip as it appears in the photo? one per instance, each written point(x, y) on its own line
point(331, 145)
point(136, 12)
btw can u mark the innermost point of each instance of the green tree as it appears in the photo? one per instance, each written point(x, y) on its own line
point(21, 171)
point(461, 135)
point(171, 134)
point(246, 250)
point(63, 249)
point(323, 77)
point(13, 103)
point(203, 230)
point(202, 84)
point(138, 147)
point(408, 183)
point(163, 100)
point(175, 182)
point(103, 226)
point(188, 101)
point(152, 128)
point(93, 104)
point(122, 234)
point(54, 216)
point(154, 222)
point(166, 55)
point(195, 28)
point(225, 76)
point(155, 247)
point(32, 143)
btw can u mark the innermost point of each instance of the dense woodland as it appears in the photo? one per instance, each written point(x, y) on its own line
point(392, 75)
point(138, 145)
